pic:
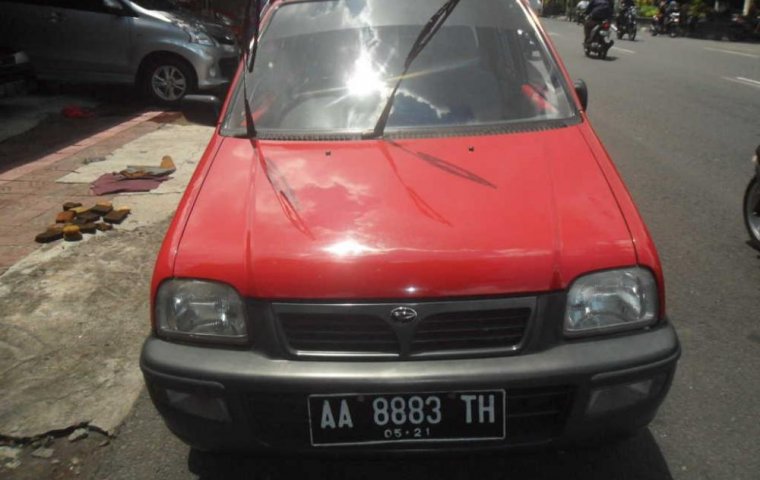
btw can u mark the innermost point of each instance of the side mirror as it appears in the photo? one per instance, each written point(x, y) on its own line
point(114, 6)
point(202, 109)
point(582, 91)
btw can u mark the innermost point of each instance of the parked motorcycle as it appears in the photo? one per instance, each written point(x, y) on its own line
point(599, 41)
point(752, 203)
point(670, 26)
point(744, 28)
point(627, 23)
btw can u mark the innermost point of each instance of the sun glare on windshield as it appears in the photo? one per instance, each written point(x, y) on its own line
point(365, 79)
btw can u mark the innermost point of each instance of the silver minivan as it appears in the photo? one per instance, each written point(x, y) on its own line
point(163, 49)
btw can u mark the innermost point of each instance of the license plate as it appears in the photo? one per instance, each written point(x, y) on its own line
point(354, 419)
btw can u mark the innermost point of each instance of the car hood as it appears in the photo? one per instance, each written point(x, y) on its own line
point(181, 16)
point(459, 216)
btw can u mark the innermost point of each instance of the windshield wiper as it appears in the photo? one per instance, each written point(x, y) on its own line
point(248, 60)
point(427, 34)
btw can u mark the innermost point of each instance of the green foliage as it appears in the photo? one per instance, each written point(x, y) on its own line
point(647, 11)
point(697, 8)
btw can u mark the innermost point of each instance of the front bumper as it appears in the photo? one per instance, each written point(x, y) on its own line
point(16, 73)
point(214, 66)
point(255, 403)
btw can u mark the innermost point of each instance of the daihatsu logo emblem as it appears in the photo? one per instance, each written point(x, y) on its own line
point(403, 314)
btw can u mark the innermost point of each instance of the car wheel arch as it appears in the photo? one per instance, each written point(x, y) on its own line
point(158, 56)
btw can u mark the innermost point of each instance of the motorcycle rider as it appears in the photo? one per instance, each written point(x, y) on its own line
point(624, 6)
point(670, 8)
point(661, 7)
point(579, 9)
point(597, 12)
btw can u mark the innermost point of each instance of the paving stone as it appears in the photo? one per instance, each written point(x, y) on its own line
point(9, 453)
point(78, 434)
point(43, 452)
point(71, 233)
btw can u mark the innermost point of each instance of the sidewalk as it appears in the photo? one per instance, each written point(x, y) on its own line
point(73, 315)
point(30, 197)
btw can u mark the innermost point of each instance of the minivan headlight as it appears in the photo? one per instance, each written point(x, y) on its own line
point(201, 311)
point(201, 38)
point(197, 35)
point(611, 300)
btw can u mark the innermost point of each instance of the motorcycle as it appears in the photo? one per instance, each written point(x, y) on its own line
point(599, 40)
point(671, 24)
point(752, 203)
point(627, 23)
point(744, 28)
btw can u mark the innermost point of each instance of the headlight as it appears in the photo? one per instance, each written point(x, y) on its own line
point(610, 301)
point(196, 34)
point(201, 38)
point(200, 310)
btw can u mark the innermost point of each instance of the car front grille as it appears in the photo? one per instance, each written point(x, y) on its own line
point(228, 66)
point(537, 414)
point(338, 333)
point(534, 416)
point(227, 39)
point(453, 328)
point(471, 330)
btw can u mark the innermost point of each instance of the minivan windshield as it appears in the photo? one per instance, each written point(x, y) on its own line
point(328, 67)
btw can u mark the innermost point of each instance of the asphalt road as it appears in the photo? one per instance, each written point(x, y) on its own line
point(681, 119)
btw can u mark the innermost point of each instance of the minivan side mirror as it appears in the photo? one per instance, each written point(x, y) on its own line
point(114, 6)
point(202, 109)
point(582, 91)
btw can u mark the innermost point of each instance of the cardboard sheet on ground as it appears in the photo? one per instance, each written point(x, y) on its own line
point(115, 183)
point(184, 143)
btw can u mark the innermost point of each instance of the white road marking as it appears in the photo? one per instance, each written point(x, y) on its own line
point(625, 50)
point(732, 52)
point(748, 80)
point(555, 34)
point(744, 81)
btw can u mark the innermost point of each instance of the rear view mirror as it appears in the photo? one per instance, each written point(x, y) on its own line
point(114, 6)
point(202, 109)
point(529, 46)
point(582, 91)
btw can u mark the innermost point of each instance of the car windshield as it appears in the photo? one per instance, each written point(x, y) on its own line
point(159, 5)
point(328, 67)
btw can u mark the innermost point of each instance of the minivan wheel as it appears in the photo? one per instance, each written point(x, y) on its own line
point(752, 211)
point(167, 80)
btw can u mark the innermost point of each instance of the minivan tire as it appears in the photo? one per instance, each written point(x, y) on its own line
point(751, 195)
point(167, 79)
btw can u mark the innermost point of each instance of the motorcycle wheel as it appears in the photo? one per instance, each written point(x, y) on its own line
point(587, 51)
point(735, 35)
point(673, 32)
point(752, 211)
point(603, 53)
point(632, 34)
point(620, 34)
point(653, 31)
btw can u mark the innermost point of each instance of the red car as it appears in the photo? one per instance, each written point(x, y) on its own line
point(406, 235)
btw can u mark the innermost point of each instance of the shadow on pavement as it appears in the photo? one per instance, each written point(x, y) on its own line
point(39, 128)
point(634, 458)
